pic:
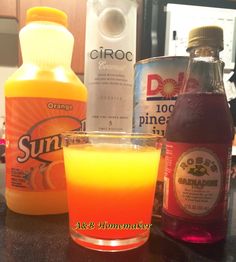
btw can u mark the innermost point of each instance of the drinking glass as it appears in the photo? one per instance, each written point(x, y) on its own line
point(111, 181)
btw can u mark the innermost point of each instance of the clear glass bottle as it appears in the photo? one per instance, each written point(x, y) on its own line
point(198, 149)
point(110, 55)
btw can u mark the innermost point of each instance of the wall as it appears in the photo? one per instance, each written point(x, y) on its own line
point(8, 55)
point(5, 72)
point(8, 49)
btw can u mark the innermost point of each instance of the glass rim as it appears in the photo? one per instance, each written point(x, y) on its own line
point(105, 134)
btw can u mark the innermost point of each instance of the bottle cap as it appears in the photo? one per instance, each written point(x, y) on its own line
point(44, 13)
point(206, 36)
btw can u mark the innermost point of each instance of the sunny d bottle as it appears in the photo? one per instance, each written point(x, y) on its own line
point(110, 55)
point(43, 99)
point(198, 149)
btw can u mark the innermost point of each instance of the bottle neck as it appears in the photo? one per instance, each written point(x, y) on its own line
point(46, 45)
point(207, 53)
point(205, 71)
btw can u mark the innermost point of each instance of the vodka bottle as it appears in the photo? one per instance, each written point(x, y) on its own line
point(110, 54)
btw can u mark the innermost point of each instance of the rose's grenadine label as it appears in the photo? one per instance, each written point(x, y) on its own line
point(194, 179)
point(34, 157)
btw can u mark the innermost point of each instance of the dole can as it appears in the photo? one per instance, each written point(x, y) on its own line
point(157, 84)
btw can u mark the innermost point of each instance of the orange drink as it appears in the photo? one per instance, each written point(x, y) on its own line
point(44, 98)
point(111, 184)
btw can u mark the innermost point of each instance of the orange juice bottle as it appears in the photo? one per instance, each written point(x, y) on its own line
point(43, 99)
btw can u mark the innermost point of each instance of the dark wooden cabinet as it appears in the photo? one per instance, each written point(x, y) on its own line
point(76, 11)
point(8, 8)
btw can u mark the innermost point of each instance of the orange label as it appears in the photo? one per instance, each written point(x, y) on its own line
point(34, 157)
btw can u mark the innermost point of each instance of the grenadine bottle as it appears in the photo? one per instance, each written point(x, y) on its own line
point(198, 151)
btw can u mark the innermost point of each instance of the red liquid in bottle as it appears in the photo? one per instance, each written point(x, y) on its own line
point(198, 213)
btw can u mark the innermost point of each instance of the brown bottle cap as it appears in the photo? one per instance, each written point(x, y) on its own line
point(206, 36)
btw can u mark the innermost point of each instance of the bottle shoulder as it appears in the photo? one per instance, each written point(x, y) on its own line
point(59, 82)
point(200, 118)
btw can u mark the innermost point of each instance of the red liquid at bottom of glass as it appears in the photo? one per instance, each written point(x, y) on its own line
point(194, 231)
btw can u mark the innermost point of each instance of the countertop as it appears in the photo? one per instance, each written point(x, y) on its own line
point(46, 238)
